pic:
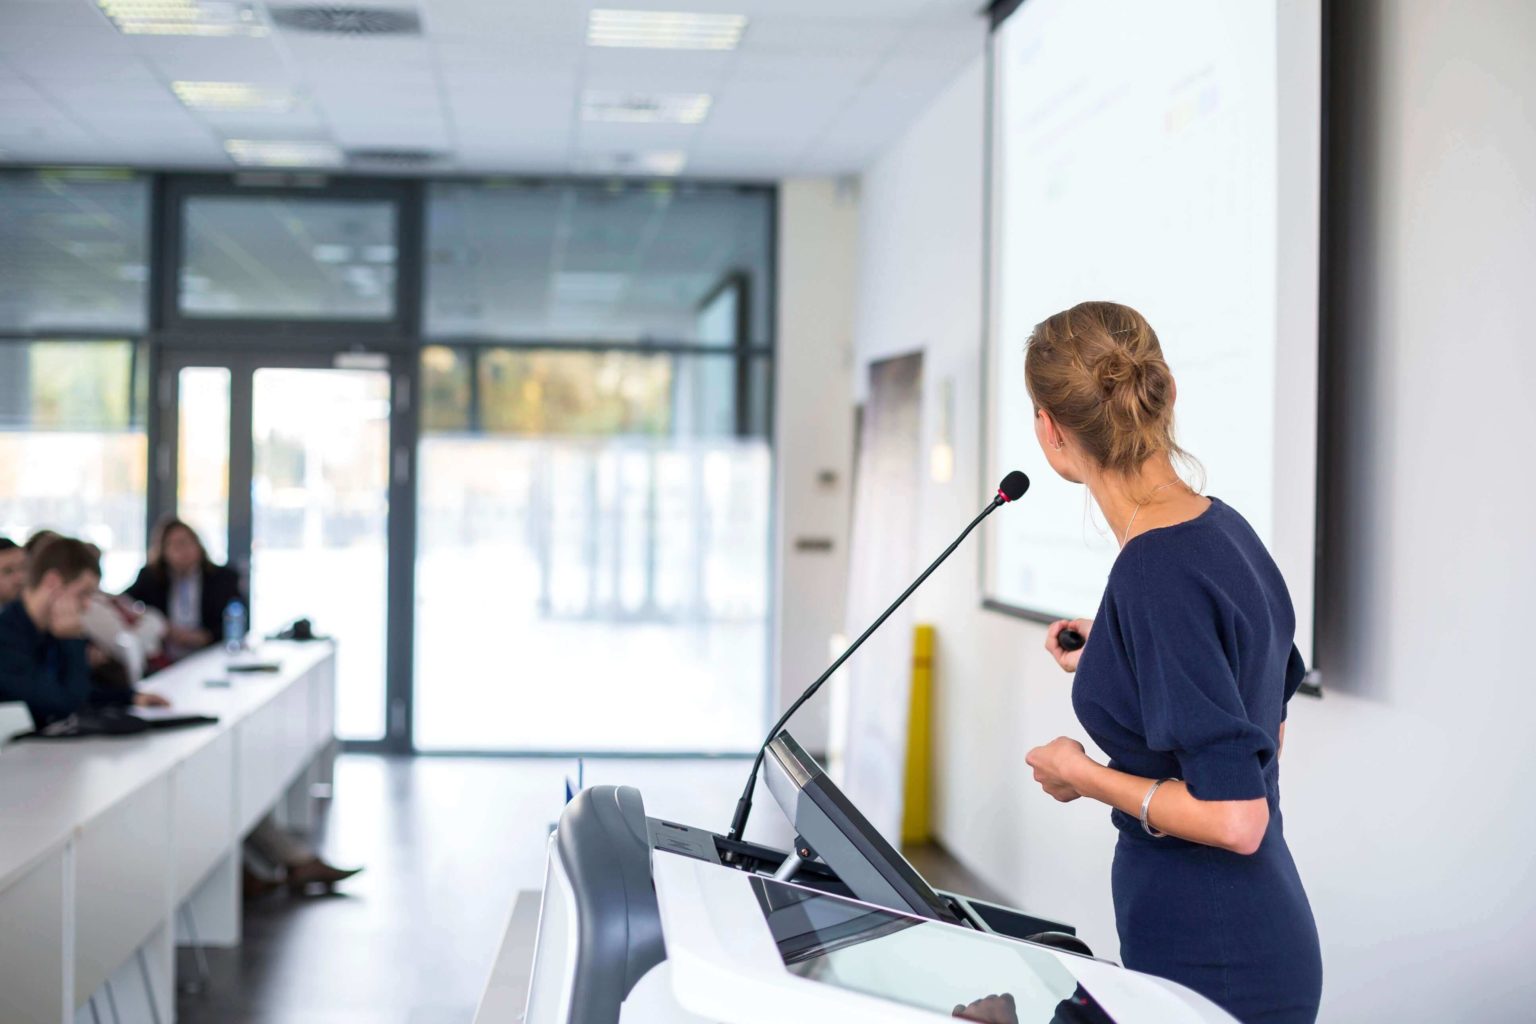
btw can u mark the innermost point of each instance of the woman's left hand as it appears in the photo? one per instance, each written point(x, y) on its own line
point(1055, 763)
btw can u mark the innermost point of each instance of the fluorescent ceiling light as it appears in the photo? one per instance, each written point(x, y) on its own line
point(233, 96)
point(665, 30)
point(664, 162)
point(184, 17)
point(266, 153)
point(661, 163)
point(635, 108)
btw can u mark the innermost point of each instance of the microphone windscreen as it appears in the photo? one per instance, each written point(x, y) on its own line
point(1013, 486)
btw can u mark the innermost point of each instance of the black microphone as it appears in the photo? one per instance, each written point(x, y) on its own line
point(1012, 488)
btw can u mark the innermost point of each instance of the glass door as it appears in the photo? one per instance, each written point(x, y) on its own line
point(282, 463)
point(320, 523)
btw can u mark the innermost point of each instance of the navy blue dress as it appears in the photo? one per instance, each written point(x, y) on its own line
point(1186, 675)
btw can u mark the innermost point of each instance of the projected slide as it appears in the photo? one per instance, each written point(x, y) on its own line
point(1137, 158)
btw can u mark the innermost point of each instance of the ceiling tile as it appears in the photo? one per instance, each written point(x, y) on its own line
point(557, 24)
point(370, 57)
point(215, 60)
point(650, 71)
point(302, 122)
point(778, 36)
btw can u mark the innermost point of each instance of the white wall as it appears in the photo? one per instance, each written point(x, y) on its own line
point(1407, 789)
point(813, 425)
point(920, 278)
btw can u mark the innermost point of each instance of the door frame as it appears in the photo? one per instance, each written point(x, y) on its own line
point(167, 362)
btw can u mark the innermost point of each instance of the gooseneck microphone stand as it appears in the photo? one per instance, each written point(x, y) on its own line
point(1013, 486)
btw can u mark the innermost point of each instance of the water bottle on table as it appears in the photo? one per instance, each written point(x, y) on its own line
point(234, 627)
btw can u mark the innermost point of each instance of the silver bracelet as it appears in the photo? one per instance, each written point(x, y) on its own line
point(1146, 803)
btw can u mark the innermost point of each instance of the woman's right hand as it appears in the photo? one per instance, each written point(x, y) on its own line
point(1066, 659)
point(990, 1009)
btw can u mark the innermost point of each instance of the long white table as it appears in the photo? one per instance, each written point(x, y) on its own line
point(110, 847)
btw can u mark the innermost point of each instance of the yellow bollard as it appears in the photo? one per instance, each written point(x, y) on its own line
point(917, 807)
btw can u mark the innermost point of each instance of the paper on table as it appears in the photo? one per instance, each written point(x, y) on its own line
point(153, 714)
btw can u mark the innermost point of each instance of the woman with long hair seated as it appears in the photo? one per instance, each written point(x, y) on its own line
point(186, 586)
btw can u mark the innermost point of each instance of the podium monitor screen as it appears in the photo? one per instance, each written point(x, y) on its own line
point(869, 866)
point(907, 960)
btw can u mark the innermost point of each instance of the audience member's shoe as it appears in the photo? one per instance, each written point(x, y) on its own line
point(316, 872)
point(253, 886)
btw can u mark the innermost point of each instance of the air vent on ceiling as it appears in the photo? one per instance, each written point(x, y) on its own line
point(399, 159)
point(348, 20)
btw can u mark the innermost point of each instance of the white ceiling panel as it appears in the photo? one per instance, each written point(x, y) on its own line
point(36, 130)
point(80, 23)
point(541, 92)
point(52, 153)
point(943, 41)
point(381, 107)
point(732, 132)
point(484, 54)
point(628, 69)
point(780, 36)
point(394, 137)
point(552, 24)
point(836, 77)
point(149, 131)
point(606, 137)
point(816, 86)
point(302, 122)
point(364, 58)
point(173, 58)
point(15, 94)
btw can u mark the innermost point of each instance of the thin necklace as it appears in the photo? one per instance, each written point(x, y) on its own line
point(1126, 536)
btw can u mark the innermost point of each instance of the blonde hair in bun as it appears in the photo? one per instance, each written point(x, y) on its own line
point(1099, 371)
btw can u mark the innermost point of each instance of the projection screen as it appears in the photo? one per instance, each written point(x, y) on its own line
point(1165, 155)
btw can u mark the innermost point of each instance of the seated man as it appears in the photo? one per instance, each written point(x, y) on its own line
point(42, 645)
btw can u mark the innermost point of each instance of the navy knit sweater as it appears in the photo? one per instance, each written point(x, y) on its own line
point(1186, 675)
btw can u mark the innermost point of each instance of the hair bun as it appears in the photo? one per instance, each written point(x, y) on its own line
point(1133, 385)
point(1116, 368)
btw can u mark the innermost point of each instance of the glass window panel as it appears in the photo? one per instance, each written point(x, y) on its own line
point(720, 318)
point(265, 257)
point(605, 513)
point(574, 393)
point(571, 262)
point(73, 452)
point(319, 523)
point(74, 249)
point(80, 384)
point(633, 570)
point(202, 456)
point(445, 388)
point(703, 396)
point(579, 393)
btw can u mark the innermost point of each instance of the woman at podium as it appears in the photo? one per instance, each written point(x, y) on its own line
point(1183, 683)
